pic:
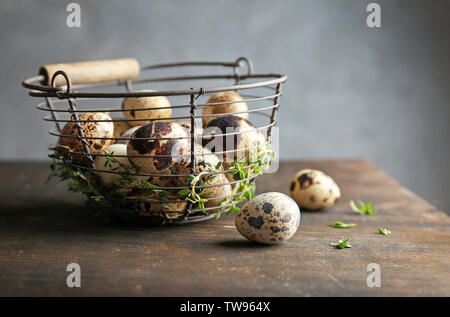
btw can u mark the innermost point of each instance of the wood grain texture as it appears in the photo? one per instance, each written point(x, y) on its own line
point(92, 72)
point(43, 228)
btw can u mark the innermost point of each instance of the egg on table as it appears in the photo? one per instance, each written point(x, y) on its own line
point(205, 162)
point(224, 102)
point(110, 169)
point(155, 147)
point(269, 218)
point(95, 126)
point(131, 106)
point(242, 144)
point(314, 190)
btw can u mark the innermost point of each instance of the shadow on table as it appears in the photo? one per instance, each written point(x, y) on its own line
point(242, 244)
point(61, 216)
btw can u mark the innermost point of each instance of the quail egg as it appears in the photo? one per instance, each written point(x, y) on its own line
point(205, 162)
point(187, 124)
point(164, 179)
point(167, 141)
point(269, 218)
point(118, 163)
point(95, 130)
point(127, 134)
point(313, 189)
point(131, 105)
point(244, 142)
point(224, 102)
point(120, 127)
point(169, 210)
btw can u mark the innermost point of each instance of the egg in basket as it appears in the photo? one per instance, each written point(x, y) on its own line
point(152, 154)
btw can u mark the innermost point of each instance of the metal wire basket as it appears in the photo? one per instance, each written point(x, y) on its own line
point(65, 104)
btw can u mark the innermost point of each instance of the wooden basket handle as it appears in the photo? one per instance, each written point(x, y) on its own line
point(92, 72)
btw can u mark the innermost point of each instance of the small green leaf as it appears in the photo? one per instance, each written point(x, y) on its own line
point(163, 199)
point(384, 231)
point(190, 200)
point(342, 244)
point(146, 184)
point(365, 209)
point(233, 209)
point(184, 192)
point(339, 224)
point(194, 180)
point(165, 205)
point(353, 207)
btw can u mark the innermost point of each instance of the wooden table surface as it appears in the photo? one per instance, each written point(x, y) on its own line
point(43, 228)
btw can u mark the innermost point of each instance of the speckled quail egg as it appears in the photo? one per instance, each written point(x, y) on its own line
point(313, 189)
point(187, 125)
point(116, 165)
point(269, 218)
point(220, 190)
point(205, 162)
point(243, 144)
point(120, 127)
point(169, 210)
point(92, 129)
point(158, 154)
point(224, 102)
point(122, 164)
point(164, 179)
point(131, 104)
point(128, 134)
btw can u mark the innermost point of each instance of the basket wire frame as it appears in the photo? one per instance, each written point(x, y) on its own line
point(67, 93)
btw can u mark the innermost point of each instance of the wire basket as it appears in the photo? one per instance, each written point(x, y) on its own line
point(176, 197)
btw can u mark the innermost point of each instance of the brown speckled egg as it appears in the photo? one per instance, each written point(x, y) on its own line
point(162, 180)
point(128, 134)
point(205, 162)
point(243, 144)
point(216, 194)
point(269, 218)
point(120, 127)
point(187, 125)
point(314, 190)
point(235, 104)
point(171, 210)
point(155, 156)
point(130, 105)
point(91, 129)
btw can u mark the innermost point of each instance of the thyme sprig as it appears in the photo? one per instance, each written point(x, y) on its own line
point(247, 169)
point(364, 209)
point(339, 224)
point(384, 231)
point(194, 194)
point(131, 187)
point(342, 244)
point(128, 186)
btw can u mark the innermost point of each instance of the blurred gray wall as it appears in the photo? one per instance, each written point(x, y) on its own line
point(353, 91)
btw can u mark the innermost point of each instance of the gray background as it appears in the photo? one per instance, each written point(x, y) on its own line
point(352, 91)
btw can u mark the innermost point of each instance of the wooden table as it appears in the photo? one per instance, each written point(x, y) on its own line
point(43, 228)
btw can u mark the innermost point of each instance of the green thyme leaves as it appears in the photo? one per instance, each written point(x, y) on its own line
point(384, 231)
point(342, 244)
point(364, 209)
point(129, 190)
point(339, 224)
